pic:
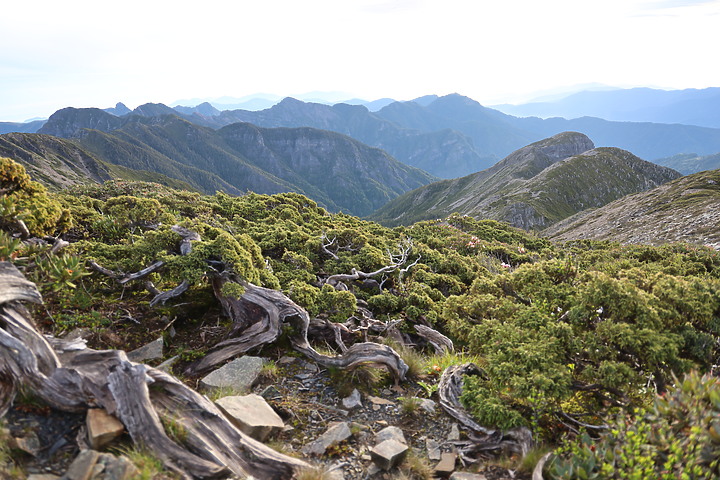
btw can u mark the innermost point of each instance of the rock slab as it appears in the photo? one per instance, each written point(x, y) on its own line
point(390, 433)
point(337, 433)
point(102, 428)
point(467, 476)
point(93, 465)
point(388, 454)
point(251, 414)
point(240, 374)
point(446, 465)
point(151, 351)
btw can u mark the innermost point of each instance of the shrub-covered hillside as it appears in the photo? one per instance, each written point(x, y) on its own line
point(564, 335)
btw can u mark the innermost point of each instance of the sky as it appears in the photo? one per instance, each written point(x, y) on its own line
point(90, 53)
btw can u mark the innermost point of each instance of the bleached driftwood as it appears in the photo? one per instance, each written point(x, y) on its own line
point(483, 440)
point(440, 342)
point(258, 316)
point(72, 378)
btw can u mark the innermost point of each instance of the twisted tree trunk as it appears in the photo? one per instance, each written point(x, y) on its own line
point(483, 440)
point(258, 316)
point(69, 377)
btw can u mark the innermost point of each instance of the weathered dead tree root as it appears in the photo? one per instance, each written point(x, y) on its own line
point(258, 317)
point(483, 441)
point(70, 377)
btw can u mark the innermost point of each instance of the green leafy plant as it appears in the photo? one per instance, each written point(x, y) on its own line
point(678, 437)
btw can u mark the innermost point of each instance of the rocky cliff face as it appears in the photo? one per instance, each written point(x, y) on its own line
point(535, 186)
point(445, 153)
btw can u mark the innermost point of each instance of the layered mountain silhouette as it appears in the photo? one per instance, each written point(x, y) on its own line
point(683, 210)
point(689, 107)
point(335, 170)
point(449, 136)
point(534, 186)
point(687, 163)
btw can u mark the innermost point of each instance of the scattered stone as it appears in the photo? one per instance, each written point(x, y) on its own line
point(398, 389)
point(270, 392)
point(454, 433)
point(311, 367)
point(82, 467)
point(335, 472)
point(167, 365)
point(467, 476)
point(446, 466)
point(337, 433)
point(286, 360)
point(102, 428)
point(151, 351)
point(390, 433)
point(252, 415)
point(353, 400)
point(110, 467)
point(29, 444)
point(388, 454)
point(42, 476)
point(428, 405)
point(93, 465)
point(380, 400)
point(433, 449)
point(241, 374)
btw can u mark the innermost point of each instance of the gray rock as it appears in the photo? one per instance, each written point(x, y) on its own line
point(92, 465)
point(467, 476)
point(151, 351)
point(388, 454)
point(433, 449)
point(454, 433)
point(446, 466)
point(29, 444)
point(42, 476)
point(390, 433)
point(270, 392)
point(337, 433)
point(252, 415)
point(353, 400)
point(83, 466)
point(240, 374)
point(428, 405)
point(167, 365)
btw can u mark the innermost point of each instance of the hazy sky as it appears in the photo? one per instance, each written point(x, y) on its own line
point(86, 53)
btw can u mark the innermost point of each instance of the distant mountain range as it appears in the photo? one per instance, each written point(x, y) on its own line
point(534, 186)
point(337, 171)
point(684, 210)
point(449, 137)
point(688, 107)
point(687, 163)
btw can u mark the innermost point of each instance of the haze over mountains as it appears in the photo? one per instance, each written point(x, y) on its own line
point(689, 107)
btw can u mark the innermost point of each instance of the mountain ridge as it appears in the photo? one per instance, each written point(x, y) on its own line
point(534, 186)
point(683, 210)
